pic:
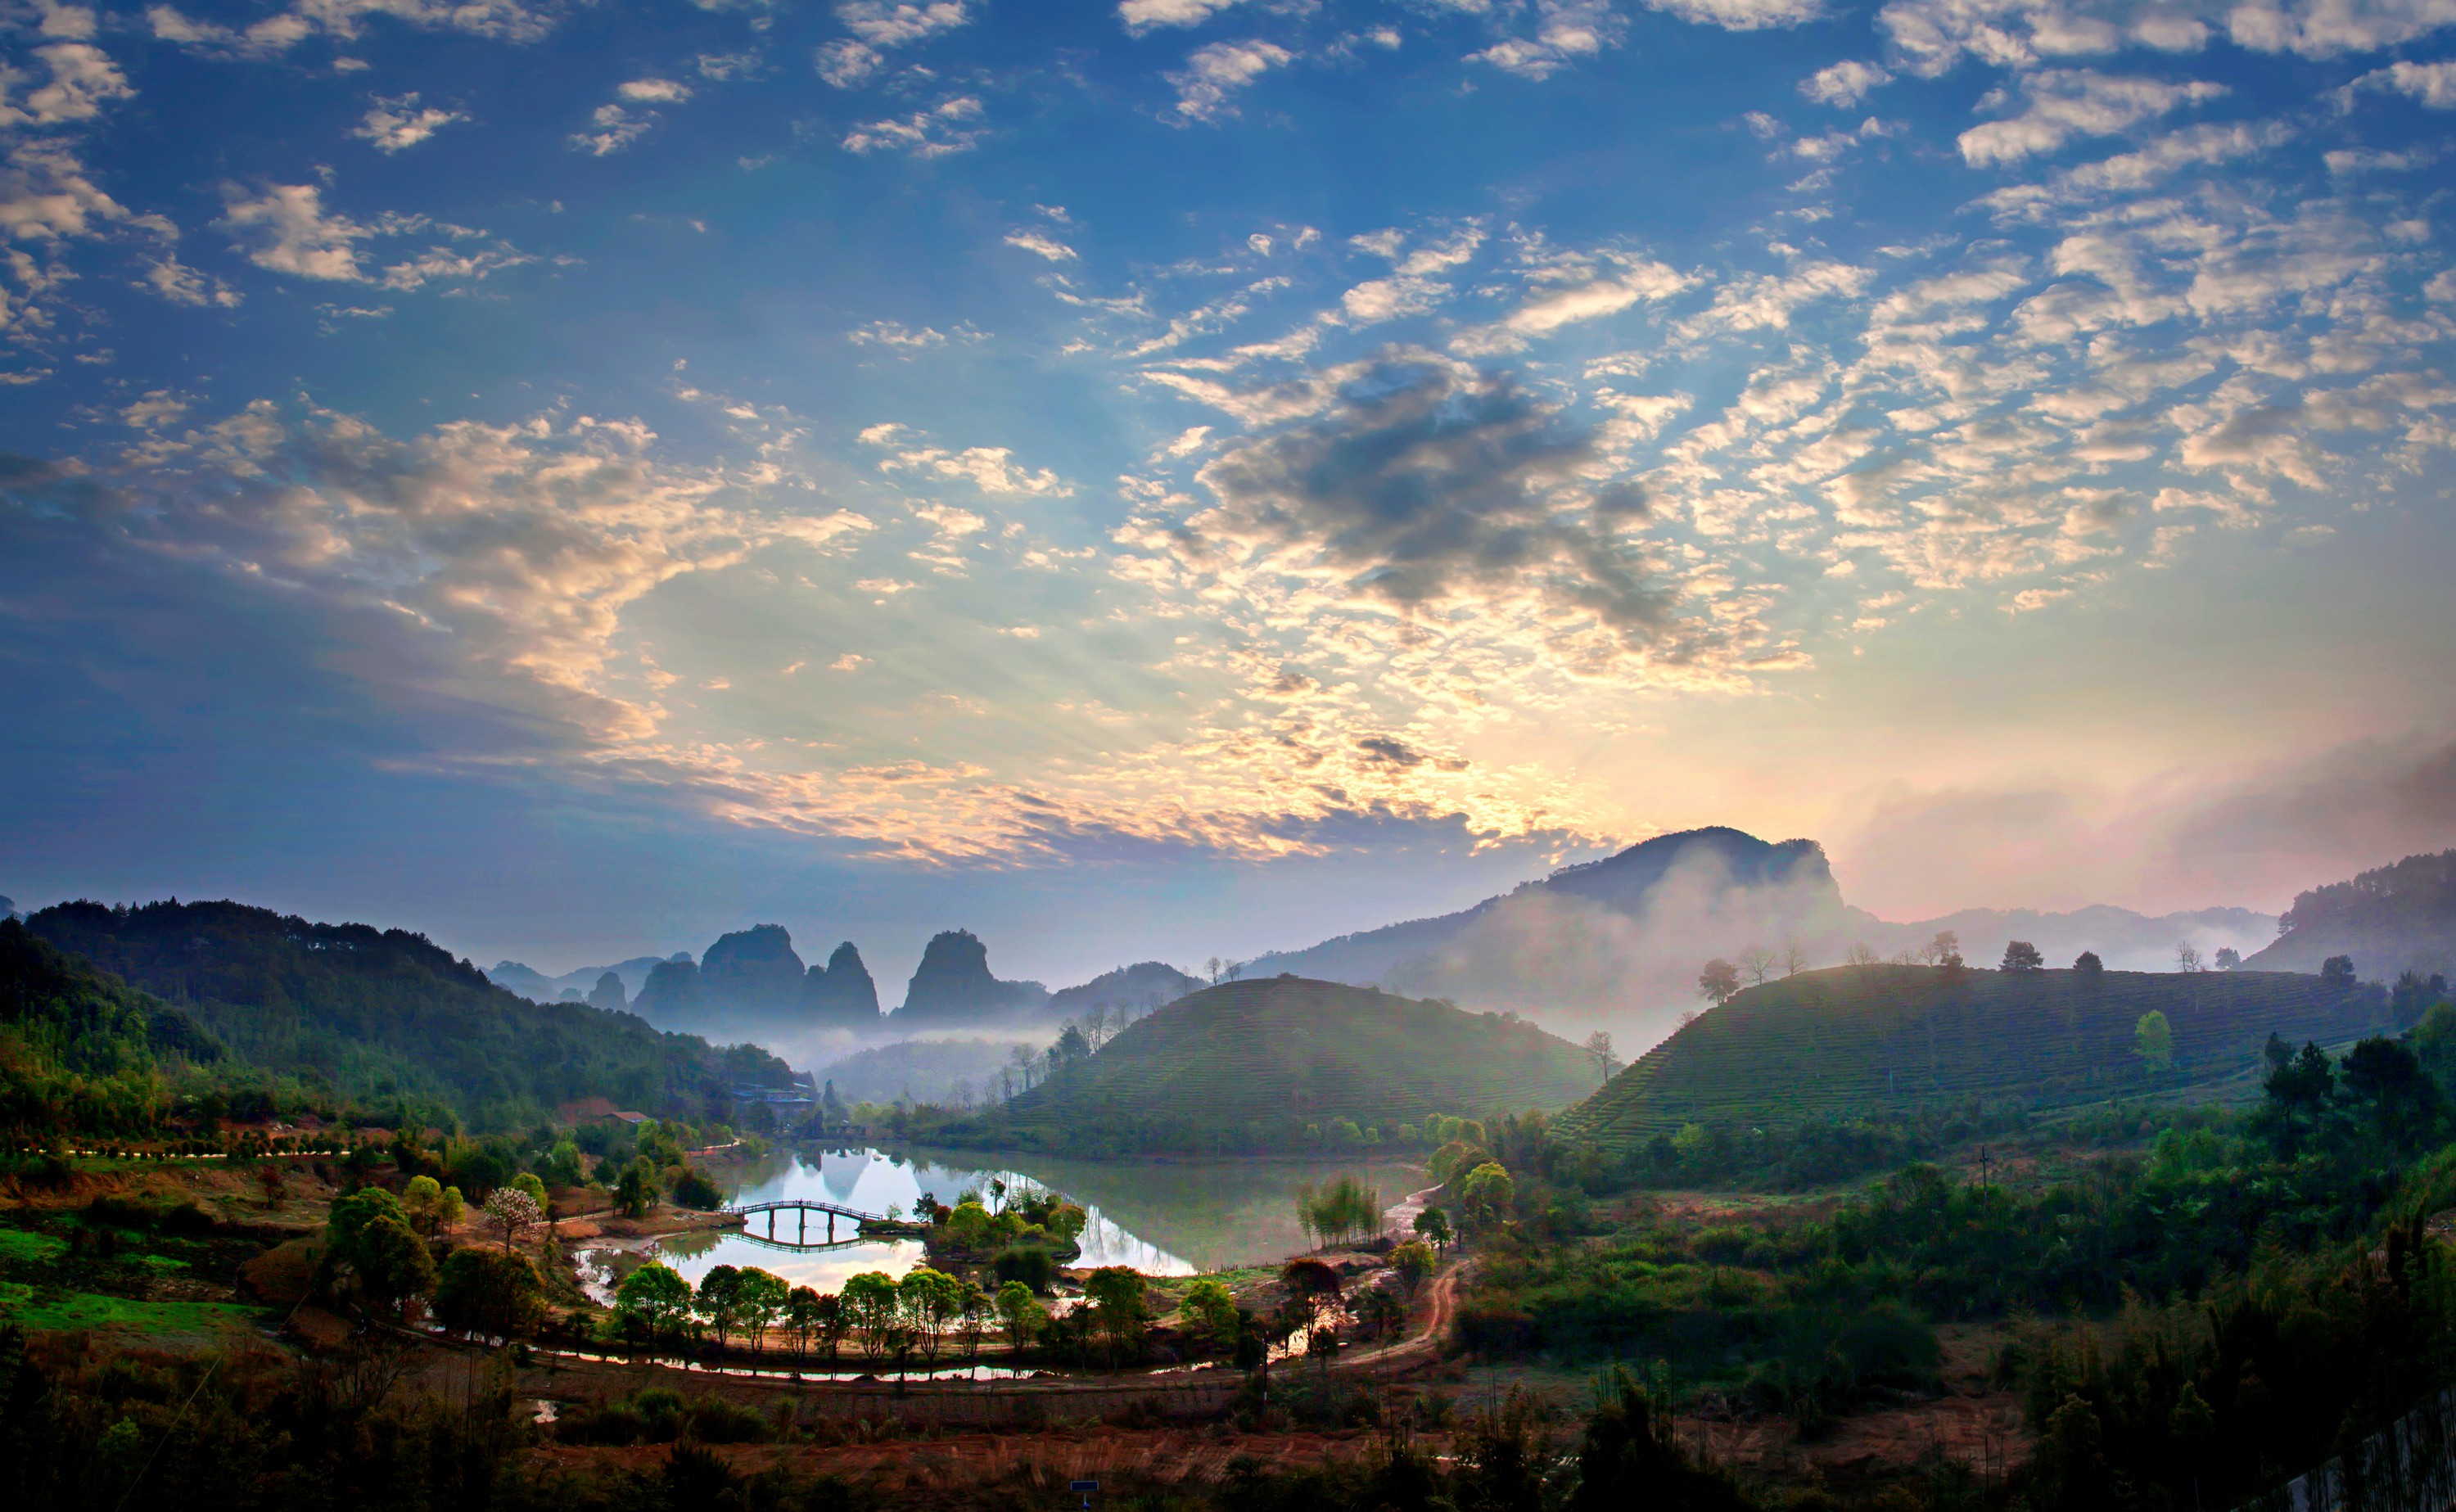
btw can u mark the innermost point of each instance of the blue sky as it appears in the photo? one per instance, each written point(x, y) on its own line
point(1180, 478)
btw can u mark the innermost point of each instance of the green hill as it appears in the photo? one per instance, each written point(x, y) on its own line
point(1861, 1039)
point(1253, 1057)
point(370, 1017)
point(2395, 919)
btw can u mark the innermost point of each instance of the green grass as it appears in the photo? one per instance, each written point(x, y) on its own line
point(1283, 1047)
point(25, 1247)
point(23, 1305)
point(1856, 1040)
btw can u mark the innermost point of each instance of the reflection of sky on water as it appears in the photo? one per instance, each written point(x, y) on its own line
point(871, 1182)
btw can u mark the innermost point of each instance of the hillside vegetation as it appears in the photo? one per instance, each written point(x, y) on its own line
point(2396, 919)
point(375, 1017)
point(1858, 1040)
point(1250, 1060)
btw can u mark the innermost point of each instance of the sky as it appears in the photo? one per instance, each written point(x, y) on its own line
point(1178, 477)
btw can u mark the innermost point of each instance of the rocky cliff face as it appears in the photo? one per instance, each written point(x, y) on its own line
point(753, 973)
point(841, 994)
point(608, 993)
point(952, 985)
point(672, 997)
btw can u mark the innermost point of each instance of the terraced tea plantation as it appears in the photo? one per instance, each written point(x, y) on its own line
point(1279, 1048)
point(1859, 1039)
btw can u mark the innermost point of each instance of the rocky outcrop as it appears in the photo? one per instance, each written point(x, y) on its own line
point(752, 972)
point(609, 995)
point(840, 994)
point(672, 996)
point(952, 985)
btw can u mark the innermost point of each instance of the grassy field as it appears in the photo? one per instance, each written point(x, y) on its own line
point(1863, 1039)
point(1284, 1047)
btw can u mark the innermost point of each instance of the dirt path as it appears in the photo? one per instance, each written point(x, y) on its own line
point(1440, 1307)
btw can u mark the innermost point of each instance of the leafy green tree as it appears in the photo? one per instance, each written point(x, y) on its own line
point(2337, 973)
point(528, 1181)
point(1434, 1225)
point(653, 1302)
point(692, 1189)
point(930, 1300)
point(2153, 1040)
point(872, 1298)
point(1413, 1261)
point(719, 1302)
point(487, 1292)
point(802, 1306)
point(973, 1319)
point(759, 1301)
point(370, 1248)
point(1115, 1293)
point(1212, 1312)
point(1019, 1310)
point(2087, 966)
point(1487, 1193)
point(1718, 981)
point(2022, 956)
point(1381, 1313)
point(635, 1191)
point(420, 1202)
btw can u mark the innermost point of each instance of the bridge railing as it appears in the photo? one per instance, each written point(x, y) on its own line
point(2408, 1466)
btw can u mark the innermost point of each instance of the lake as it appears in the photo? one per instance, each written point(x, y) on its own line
point(1163, 1218)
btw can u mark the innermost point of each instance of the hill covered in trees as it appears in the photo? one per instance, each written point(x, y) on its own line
point(1860, 1040)
point(2389, 921)
point(1280, 1062)
point(367, 1016)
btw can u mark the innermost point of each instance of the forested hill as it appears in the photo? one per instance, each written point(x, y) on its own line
point(85, 1050)
point(1256, 1061)
point(2396, 919)
point(1860, 1040)
point(383, 1015)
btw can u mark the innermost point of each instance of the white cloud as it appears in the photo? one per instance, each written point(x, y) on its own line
point(653, 92)
point(941, 130)
point(1040, 244)
point(616, 130)
point(1565, 30)
point(2433, 84)
point(286, 229)
point(2319, 28)
point(894, 334)
point(395, 125)
point(1142, 16)
point(1573, 297)
point(1216, 72)
point(83, 79)
point(1742, 16)
point(2065, 103)
point(503, 20)
point(991, 469)
point(878, 26)
point(1844, 84)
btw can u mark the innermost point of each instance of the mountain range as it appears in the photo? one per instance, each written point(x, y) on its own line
point(1630, 931)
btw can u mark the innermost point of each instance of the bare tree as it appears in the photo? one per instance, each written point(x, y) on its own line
point(1794, 960)
point(1861, 953)
point(1211, 966)
point(1758, 962)
point(2188, 956)
point(1599, 1049)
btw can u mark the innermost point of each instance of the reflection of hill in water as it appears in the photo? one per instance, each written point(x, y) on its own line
point(1211, 1213)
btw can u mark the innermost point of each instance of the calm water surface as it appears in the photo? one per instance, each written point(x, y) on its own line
point(1163, 1219)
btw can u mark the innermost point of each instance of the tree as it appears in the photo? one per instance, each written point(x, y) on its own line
point(835, 1320)
point(871, 1300)
point(2188, 956)
point(1599, 1051)
point(1718, 981)
point(1019, 1310)
point(2337, 973)
point(930, 1299)
point(718, 1303)
point(1794, 960)
point(1488, 1194)
point(1758, 962)
point(1115, 1293)
point(1380, 1313)
point(653, 1301)
point(511, 1213)
point(2153, 1040)
point(802, 1306)
point(973, 1320)
point(1211, 1312)
point(486, 1292)
point(1435, 1226)
point(2228, 958)
point(421, 1200)
point(368, 1242)
point(635, 1191)
point(760, 1298)
point(2087, 966)
point(1413, 1261)
point(2021, 956)
point(1861, 953)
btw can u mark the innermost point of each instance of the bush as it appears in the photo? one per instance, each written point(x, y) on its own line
point(1033, 1267)
point(694, 1190)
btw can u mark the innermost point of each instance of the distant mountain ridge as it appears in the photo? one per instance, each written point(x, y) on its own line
point(2390, 920)
point(1631, 930)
